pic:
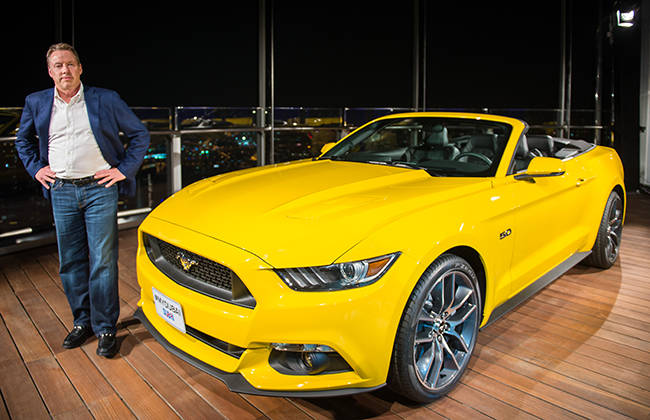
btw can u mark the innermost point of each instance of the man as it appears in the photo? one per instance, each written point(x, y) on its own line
point(69, 141)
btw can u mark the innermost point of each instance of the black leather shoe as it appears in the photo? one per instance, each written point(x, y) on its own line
point(107, 345)
point(78, 336)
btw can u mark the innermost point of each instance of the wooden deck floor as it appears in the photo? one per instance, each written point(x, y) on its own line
point(578, 349)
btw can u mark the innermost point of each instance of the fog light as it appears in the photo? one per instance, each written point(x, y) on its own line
point(315, 362)
point(306, 359)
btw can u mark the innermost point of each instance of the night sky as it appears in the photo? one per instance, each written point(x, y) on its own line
point(340, 53)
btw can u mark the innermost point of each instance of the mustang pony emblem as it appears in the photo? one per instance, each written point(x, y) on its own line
point(186, 262)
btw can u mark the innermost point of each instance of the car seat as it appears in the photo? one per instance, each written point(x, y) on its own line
point(435, 147)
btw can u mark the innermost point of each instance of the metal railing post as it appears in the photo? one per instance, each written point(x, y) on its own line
point(176, 167)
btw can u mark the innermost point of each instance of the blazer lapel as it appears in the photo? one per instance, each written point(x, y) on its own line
point(42, 119)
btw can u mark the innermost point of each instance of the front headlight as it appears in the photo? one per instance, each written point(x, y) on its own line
point(337, 276)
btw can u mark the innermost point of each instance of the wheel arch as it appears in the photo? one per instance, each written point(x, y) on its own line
point(474, 259)
point(619, 189)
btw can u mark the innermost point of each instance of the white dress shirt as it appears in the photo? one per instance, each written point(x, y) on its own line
point(72, 148)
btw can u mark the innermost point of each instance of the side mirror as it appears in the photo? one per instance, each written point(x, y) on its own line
point(542, 167)
point(326, 148)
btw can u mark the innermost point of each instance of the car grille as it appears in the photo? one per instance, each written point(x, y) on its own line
point(197, 273)
point(204, 269)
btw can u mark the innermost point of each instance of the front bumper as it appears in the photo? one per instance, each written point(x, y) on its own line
point(359, 324)
point(235, 381)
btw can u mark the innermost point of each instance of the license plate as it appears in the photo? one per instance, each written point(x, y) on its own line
point(169, 310)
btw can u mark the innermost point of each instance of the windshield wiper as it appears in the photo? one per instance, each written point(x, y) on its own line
point(446, 172)
point(403, 164)
point(332, 158)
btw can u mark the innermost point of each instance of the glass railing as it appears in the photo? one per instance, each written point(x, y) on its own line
point(203, 118)
point(212, 140)
point(23, 210)
point(205, 154)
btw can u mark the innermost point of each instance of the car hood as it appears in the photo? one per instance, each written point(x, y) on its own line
point(307, 213)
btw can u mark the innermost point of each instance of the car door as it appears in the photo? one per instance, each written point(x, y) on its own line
point(546, 223)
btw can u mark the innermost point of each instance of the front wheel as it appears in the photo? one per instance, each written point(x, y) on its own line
point(606, 248)
point(437, 332)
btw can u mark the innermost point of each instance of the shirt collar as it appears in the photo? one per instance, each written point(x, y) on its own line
point(78, 97)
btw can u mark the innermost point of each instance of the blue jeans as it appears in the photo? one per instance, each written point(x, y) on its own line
point(86, 231)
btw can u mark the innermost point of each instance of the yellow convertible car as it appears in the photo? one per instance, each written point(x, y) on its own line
point(377, 262)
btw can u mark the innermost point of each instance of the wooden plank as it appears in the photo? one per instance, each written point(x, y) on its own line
point(230, 404)
point(605, 376)
point(19, 393)
point(469, 394)
point(583, 390)
point(543, 310)
point(594, 328)
point(177, 393)
point(22, 330)
point(350, 407)
point(78, 414)
point(567, 344)
point(603, 284)
point(143, 400)
point(366, 405)
point(452, 409)
point(551, 396)
point(109, 407)
point(4, 413)
point(415, 412)
point(553, 303)
point(632, 304)
point(517, 396)
point(591, 305)
point(87, 380)
point(276, 408)
point(90, 384)
point(56, 390)
point(54, 387)
point(133, 390)
point(583, 338)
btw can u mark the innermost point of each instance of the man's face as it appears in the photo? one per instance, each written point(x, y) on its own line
point(65, 70)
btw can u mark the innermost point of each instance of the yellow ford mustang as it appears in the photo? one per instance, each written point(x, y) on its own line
point(378, 261)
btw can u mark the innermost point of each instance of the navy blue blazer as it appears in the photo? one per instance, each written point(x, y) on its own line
point(108, 115)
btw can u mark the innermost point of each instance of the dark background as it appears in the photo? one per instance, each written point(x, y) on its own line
point(504, 54)
point(333, 54)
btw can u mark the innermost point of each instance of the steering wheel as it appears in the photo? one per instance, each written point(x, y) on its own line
point(474, 155)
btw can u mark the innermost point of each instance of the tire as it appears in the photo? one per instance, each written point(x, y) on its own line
point(606, 248)
point(437, 333)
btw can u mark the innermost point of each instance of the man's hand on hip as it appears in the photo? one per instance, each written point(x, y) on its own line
point(45, 176)
point(110, 176)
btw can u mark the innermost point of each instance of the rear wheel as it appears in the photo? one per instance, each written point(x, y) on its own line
point(437, 332)
point(606, 248)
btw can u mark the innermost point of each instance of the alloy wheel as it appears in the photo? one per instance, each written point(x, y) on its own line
point(614, 229)
point(445, 327)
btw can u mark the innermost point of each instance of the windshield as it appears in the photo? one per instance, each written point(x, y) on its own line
point(441, 146)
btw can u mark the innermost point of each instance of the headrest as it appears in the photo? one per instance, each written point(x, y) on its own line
point(541, 142)
point(438, 136)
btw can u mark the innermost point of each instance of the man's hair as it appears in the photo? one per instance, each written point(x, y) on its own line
point(61, 46)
